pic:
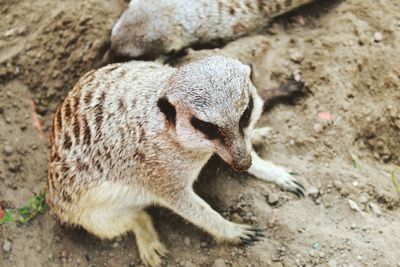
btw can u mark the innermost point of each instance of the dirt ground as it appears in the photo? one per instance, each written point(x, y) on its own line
point(348, 55)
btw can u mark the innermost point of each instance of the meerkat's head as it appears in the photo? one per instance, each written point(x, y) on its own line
point(211, 105)
point(145, 30)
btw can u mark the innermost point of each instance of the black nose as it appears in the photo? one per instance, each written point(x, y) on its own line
point(242, 163)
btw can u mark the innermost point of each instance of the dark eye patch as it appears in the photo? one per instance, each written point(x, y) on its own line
point(245, 119)
point(210, 130)
point(168, 109)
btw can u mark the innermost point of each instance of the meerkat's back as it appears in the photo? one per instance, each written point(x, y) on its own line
point(101, 122)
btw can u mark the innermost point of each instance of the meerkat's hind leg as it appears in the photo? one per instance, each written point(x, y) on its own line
point(267, 171)
point(150, 248)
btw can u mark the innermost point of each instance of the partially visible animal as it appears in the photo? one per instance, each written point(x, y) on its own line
point(150, 28)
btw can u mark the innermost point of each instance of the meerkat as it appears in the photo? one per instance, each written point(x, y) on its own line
point(150, 28)
point(135, 134)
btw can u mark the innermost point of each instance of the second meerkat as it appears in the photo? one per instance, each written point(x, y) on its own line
point(150, 28)
point(137, 134)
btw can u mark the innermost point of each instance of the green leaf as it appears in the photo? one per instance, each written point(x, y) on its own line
point(7, 216)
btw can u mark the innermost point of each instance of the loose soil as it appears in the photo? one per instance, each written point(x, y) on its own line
point(334, 47)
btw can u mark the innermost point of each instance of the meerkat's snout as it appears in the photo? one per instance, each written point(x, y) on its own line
point(241, 159)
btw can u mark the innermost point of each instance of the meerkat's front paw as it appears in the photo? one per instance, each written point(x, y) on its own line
point(267, 171)
point(285, 180)
point(242, 234)
point(151, 253)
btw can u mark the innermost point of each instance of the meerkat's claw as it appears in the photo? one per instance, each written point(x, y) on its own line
point(265, 170)
point(152, 254)
point(254, 236)
point(245, 235)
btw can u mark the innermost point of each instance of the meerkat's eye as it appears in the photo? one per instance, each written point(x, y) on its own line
point(208, 129)
point(245, 119)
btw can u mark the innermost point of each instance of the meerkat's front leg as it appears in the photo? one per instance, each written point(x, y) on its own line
point(265, 170)
point(194, 209)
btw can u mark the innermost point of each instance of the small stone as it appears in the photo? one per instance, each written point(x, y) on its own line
point(378, 37)
point(338, 184)
point(297, 76)
point(356, 183)
point(273, 199)
point(10, 32)
point(7, 245)
point(375, 209)
point(50, 257)
point(219, 263)
point(317, 127)
point(316, 245)
point(291, 142)
point(353, 226)
point(186, 240)
point(115, 245)
point(38, 248)
point(332, 263)
point(8, 150)
point(353, 205)
point(321, 254)
point(313, 192)
point(296, 56)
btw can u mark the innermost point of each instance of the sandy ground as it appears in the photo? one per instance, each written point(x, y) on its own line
point(350, 70)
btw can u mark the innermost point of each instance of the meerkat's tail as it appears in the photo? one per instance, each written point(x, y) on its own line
point(278, 7)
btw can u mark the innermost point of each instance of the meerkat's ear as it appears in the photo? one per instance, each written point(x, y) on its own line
point(168, 109)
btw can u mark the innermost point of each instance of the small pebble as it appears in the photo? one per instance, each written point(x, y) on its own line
point(338, 184)
point(353, 226)
point(296, 56)
point(273, 199)
point(317, 127)
point(375, 209)
point(219, 263)
point(316, 245)
point(7, 245)
point(378, 37)
point(313, 192)
point(115, 245)
point(297, 76)
point(8, 150)
point(354, 205)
